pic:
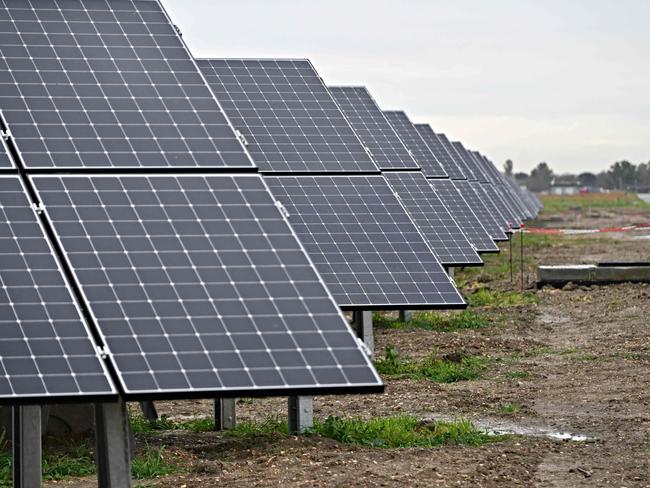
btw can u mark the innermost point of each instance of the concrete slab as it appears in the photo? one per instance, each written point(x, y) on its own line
point(593, 274)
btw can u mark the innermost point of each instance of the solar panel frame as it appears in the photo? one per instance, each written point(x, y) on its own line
point(467, 171)
point(484, 214)
point(288, 117)
point(464, 215)
point(434, 219)
point(435, 145)
point(363, 242)
point(431, 167)
point(373, 128)
point(108, 85)
point(47, 351)
point(5, 159)
point(175, 266)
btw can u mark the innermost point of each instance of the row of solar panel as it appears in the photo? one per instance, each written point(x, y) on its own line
point(197, 284)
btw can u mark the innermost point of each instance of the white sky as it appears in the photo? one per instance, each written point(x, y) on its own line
point(567, 82)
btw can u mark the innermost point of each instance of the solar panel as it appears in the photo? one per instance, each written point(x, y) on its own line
point(463, 215)
point(287, 116)
point(46, 350)
point(479, 174)
point(431, 167)
point(446, 239)
point(374, 130)
point(363, 243)
point(107, 84)
point(483, 212)
point(433, 218)
point(446, 143)
point(5, 160)
point(198, 285)
point(487, 195)
point(441, 154)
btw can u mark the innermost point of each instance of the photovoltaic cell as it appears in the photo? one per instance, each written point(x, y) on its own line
point(374, 130)
point(198, 284)
point(483, 212)
point(287, 116)
point(431, 167)
point(46, 350)
point(433, 218)
point(463, 215)
point(5, 160)
point(466, 170)
point(107, 83)
point(441, 154)
point(363, 243)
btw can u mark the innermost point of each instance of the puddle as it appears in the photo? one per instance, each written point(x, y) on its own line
point(505, 427)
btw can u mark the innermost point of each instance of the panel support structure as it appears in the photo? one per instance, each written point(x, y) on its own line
point(27, 447)
point(149, 410)
point(225, 413)
point(406, 315)
point(301, 414)
point(113, 436)
point(362, 325)
point(450, 271)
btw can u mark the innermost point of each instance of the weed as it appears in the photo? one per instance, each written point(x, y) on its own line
point(510, 408)
point(400, 431)
point(140, 424)
point(152, 465)
point(518, 375)
point(268, 427)
point(441, 322)
point(484, 297)
point(432, 367)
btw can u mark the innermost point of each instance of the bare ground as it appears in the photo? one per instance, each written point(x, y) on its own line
point(576, 363)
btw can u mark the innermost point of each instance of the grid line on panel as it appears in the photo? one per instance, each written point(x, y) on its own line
point(365, 246)
point(287, 116)
point(460, 162)
point(463, 215)
point(46, 349)
point(107, 84)
point(5, 159)
point(470, 162)
point(433, 218)
point(430, 165)
point(479, 207)
point(374, 130)
point(203, 286)
point(492, 204)
point(436, 147)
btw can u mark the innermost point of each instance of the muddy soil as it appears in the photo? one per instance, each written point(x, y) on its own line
point(575, 364)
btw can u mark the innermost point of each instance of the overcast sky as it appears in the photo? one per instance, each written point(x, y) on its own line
point(531, 80)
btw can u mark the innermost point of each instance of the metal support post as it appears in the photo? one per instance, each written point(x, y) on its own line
point(512, 280)
point(362, 324)
point(225, 413)
point(301, 414)
point(27, 447)
point(405, 315)
point(521, 231)
point(114, 445)
point(149, 410)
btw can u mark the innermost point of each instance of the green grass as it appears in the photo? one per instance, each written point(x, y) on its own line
point(441, 322)
point(75, 461)
point(401, 431)
point(484, 297)
point(432, 368)
point(563, 203)
point(510, 408)
point(140, 424)
point(398, 431)
point(518, 375)
point(152, 464)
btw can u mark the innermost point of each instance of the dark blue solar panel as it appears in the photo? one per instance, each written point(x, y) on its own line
point(107, 83)
point(46, 349)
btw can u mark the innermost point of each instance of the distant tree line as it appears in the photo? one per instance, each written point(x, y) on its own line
point(622, 175)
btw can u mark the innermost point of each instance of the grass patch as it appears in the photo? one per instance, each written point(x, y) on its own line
point(510, 408)
point(152, 464)
point(75, 461)
point(401, 431)
point(563, 203)
point(518, 375)
point(140, 424)
point(441, 322)
point(432, 368)
point(484, 297)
